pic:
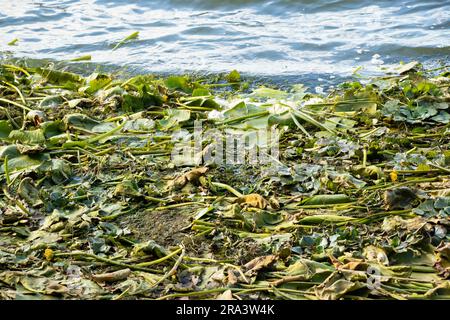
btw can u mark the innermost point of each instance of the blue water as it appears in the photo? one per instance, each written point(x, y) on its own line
point(280, 37)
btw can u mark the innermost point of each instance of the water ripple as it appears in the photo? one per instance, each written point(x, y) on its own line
point(278, 37)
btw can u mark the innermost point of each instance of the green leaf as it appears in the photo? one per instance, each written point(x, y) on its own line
point(52, 128)
point(23, 162)
point(135, 103)
point(51, 102)
point(200, 92)
point(28, 137)
point(10, 150)
point(265, 92)
point(13, 42)
point(59, 170)
point(174, 117)
point(66, 79)
point(5, 128)
point(96, 82)
point(132, 36)
point(82, 58)
point(80, 121)
point(442, 117)
point(176, 82)
point(233, 76)
point(28, 191)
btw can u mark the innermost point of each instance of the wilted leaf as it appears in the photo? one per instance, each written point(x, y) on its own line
point(253, 200)
point(112, 276)
point(254, 266)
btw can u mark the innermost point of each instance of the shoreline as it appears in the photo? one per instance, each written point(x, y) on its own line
point(92, 192)
point(282, 81)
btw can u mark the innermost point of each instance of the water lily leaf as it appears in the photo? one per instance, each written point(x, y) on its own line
point(28, 191)
point(442, 117)
point(127, 188)
point(10, 150)
point(139, 125)
point(28, 137)
point(242, 109)
point(442, 202)
point(58, 169)
point(43, 237)
point(266, 218)
point(85, 288)
point(239, 109)
point(79, 102)
point(265, 92)
point(80, 121)
point(51, 102)
point(67, 79)
point(98, 245)
point(426, 208)
point(174, 117)
point(203, 99)
point(284, 119)
point(5, 129)
point(408, 67)
point(176, 82)
point(95, 82)
point(44, 285)
point(200, 92)
point(104, 127)
point(308, 268)
point(142, 101)
point(377, 254)
point(22, 162)
point(52, 128)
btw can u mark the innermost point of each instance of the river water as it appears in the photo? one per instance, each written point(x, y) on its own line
point(266, 38)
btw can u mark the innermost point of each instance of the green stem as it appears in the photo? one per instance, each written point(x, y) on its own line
point(228, 188)
point(105, 260)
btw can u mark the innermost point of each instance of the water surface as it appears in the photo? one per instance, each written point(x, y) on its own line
point(280, 37)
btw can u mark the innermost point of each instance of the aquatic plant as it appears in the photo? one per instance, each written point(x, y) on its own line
point(93, 205)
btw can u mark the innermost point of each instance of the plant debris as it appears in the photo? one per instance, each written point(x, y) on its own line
point(97, 204)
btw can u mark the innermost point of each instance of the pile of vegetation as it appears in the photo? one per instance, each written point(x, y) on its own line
point(93, 204)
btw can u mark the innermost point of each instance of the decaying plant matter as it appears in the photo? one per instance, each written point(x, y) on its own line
point(93, 205)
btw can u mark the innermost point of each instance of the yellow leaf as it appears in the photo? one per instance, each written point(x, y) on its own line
point(423, 167)
point(393, 175)
point(253, 200)
point(48, 254)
